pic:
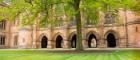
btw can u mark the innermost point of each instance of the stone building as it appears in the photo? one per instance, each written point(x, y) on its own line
point(111, 32)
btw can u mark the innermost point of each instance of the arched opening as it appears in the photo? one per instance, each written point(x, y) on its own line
point(111, 40)
point(2, 40)
point(59, 42)
point(2, 24)
point(73, 41)
point(92, 41)
point(44, 42)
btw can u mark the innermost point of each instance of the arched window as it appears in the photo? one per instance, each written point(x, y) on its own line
point(2, 40)
point(2, 24)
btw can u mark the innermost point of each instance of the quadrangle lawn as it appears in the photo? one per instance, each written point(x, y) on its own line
point(50, 55)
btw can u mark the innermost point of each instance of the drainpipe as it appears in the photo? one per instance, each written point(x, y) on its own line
point(126, 28)
point(32, 29)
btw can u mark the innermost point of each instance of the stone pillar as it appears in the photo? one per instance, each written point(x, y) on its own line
point(34, 44)
point(50, 44)
point(102, 43)
point(37, 44)
point(65, 43)
point(84, 43)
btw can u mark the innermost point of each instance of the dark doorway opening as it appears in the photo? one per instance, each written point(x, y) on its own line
point(44, 42)
point(73, 41)
point(111, 40)
point(92, 41)
point(59, 41)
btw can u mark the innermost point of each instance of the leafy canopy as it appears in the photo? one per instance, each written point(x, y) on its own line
point(51, 10)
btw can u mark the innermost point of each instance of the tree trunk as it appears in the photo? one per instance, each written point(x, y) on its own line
point(79, 46)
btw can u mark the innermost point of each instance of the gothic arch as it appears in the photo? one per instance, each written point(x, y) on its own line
point(40, 37)
point(58, 40)
point(92, 32)
point(42, 41)
point(111, 39)
point(92, 39)
point(72, 40)
point(113, 32)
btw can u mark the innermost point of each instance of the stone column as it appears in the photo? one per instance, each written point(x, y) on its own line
point(102, 43)
point(34, 44)
point(65, 43)
point(84, 43)
point(37, 44)
point(50, 44)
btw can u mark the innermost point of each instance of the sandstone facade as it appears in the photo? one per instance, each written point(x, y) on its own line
point(120, 34)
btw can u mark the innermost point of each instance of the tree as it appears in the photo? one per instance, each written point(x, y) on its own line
point(78, 24)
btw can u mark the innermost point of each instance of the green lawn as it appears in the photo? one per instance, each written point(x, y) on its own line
point(46, 55)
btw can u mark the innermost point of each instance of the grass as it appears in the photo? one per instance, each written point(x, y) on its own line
point(50, 55)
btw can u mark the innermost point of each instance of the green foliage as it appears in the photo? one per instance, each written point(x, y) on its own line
point(90, 8)
point(128, 4)
point(11, 11)
point(69, 9)
point(136, 7)
point(52, 9)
